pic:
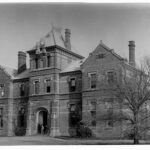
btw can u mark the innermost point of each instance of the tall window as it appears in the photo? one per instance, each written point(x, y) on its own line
point(1, 117)
point(93, 113)
point(48, 86)
point(41, 63)
point(22, 90)
point(48, 61)
point(72, 84)
point(36, 63)
point(36, 87)
point(93, 80)
point(1, 90)
point(109, 110)
point(74, 115)
point(111, 77)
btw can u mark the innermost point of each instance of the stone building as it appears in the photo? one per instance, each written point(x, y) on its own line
point(60, 88)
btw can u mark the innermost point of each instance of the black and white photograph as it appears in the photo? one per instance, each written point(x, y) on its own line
point(74, 74)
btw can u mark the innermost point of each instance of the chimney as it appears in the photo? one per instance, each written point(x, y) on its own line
point(132, 53)
point(67, 39)
point(21, 61)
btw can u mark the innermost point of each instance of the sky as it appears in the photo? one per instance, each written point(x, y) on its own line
point(22, 25)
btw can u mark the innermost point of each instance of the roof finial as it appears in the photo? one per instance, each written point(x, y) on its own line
point(101, 42)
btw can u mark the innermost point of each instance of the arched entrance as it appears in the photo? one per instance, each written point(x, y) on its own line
point(42, 121)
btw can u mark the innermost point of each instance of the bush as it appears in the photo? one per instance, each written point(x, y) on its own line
point(82, 130)
point(20, 131)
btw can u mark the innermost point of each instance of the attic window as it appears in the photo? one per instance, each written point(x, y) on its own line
point(100, 56)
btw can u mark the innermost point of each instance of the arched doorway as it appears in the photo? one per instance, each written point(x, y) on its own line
point(42, 121)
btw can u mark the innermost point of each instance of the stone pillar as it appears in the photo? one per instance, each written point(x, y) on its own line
point(29, 117)
point(10, 111)
point(54, 131)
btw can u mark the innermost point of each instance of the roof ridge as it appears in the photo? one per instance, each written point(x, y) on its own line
point(112, 51)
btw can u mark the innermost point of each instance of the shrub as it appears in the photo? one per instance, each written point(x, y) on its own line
point(82, 130)
point(20, 131)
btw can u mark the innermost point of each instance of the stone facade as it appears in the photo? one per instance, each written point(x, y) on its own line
point(61, 88)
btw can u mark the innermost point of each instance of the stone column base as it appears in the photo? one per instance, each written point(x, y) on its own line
point(54, 132)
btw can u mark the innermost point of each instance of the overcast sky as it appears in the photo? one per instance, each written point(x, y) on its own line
point(22, 25)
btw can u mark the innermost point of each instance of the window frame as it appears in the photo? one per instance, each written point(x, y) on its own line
point(114, 77)
point(21, 95)
point(71, 87)
point(37, 80)
point(2, 90)
point(47, 86)
point(89, 75)
point(1, 117)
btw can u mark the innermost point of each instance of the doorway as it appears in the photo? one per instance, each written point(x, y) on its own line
point(42, 117)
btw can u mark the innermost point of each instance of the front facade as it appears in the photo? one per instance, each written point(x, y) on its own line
point(61, 88)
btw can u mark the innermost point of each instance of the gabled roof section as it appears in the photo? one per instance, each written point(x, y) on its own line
point(102, 45)
point(74, 66)
point(111, 51)
point(9, 71)
point(22, 75)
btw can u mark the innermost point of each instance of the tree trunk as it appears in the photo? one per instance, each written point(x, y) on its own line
point(136, 141)
point(136, 129)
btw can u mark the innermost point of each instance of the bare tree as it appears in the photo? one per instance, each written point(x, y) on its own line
point(133, 93)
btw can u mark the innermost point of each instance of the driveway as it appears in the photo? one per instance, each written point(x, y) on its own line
point(45, 140)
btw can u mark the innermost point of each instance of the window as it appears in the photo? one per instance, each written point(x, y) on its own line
point(22, 90)
point(74, 115)
point(41, 63)
point(36, 87)
point(72, 84)
point(93, 113)
point(93, 80)
point(109, 111)
point(99, 56)
point(36, 63)
point(1, 90)
point(111, 77)
point(1, 117)
point(48, 86)
point(48, 61)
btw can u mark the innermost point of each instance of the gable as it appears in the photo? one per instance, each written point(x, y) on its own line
point(102, 55)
